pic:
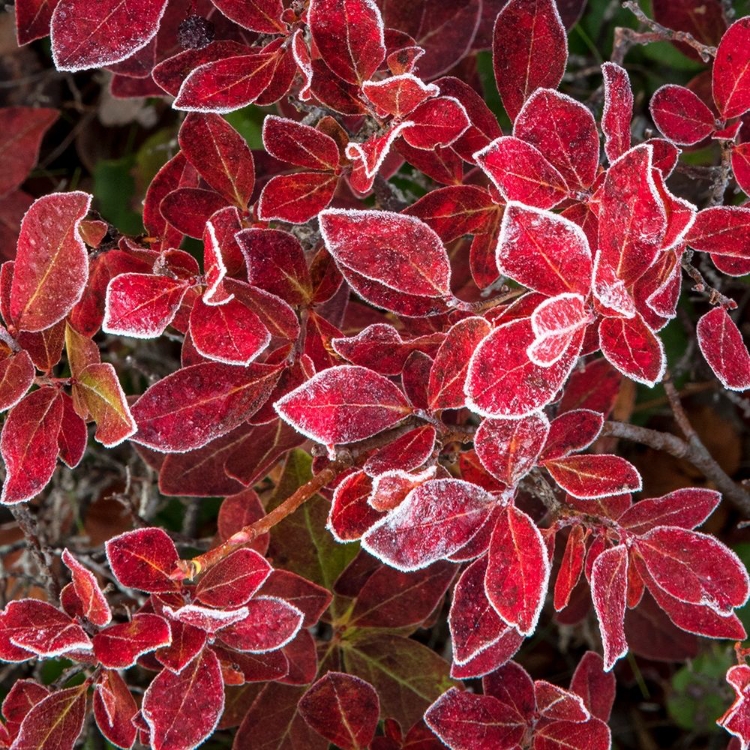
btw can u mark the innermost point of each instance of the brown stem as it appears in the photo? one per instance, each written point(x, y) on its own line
point(722, 176)
point(715, 297)
point(28, 525)
point(676, 405)
point(487, 304)
point(693, 451)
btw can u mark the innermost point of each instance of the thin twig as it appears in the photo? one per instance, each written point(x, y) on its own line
point(693, 451)
point(27, 523)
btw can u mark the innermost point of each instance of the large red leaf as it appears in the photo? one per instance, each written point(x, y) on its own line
point(731, 73)
point(503, 382)
point(435, 520)
point(220, 155)
point(681, 115)
point(618, 110)
point(349, 37)
point(55, 722)
point(565, 132)
point(42, 629)
point(521, 173)
point(29, 446)
point(342, 708)
point(694, 568)
point(401, 252)
point(464, 721)
point(183, 709)
point(705, 21)
point(509, 448)
point(724, 349)
point(51, 263)
point(609, 583)
point(591, 476)
point(88, 34)
point(518, 570)
point(544, 251)
point(529, 51)
point(344, 404)
point(199, 403)
point(722, 230)
point(118, 646)
point(143, 559)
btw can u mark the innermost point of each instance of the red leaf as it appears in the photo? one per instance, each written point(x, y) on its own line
point(571, 567)
point(633, 349)
point(694, 568)
point(681, 115)
point(436, 122)
point(143, 559)
point(518, 570)
point(557, 704)
point(391, 488)
point(398, 95)
point(220, 155)
point(609, 583)
point(187, 642)
point(263, 16)
point(299, 144)
point(21, 133)
point(182, 710)
point(556, 323)
point(521, 173)
point(188, 209)
point(349, 37)
point(234, 580)
point(312, 600)
point(270, 624)
point(119, 646)
point(737, 718)
point(464, 721)
point(706, 26)
point(94, 603)
point(564, 131)
point(199, 403)
point(435, 520)
point(591, 476)
point(529, 51)
point(596, 687)
point(206, 618)
point(544, 251)
point(296, 198)
point(730, 76)
point(342, 708)
point(141, 305)
point(227, 84)
point(51, 263)
point(32, 19)
point(343, 405)
point(562, 735)
point(16, 376)
point(351, 515)
point(685, 508)
point(570, 432)
point(474, 625)
point(722, 230)
point(55, 722)
point(114, 709)
point(407, 452)
point(509, 448)
point(42, 629)
point(28, 444)
point(503, 382)
point(398, 251)
point(618, 110)
point(89, 34)
point(231, 333)
point(724, 349)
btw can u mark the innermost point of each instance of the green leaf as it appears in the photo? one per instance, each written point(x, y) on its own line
point(301, 543)
point(407, 675)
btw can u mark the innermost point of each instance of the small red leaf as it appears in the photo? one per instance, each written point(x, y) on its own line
point(51, 263)
point(182, 710)
point(119, 646)
point(114, 709)
point(681, 115)
point(42, 629)
point(529, 51)
point(518, 570)
point(234, 580)
point(342, 708)
point(21, 132)
point(594, 685)
point(94, 603)
point(16, 376)
point(435, 520)
point(28, 444)
point(143, 559)
point(398, 251)
point(436, 122)
point(343, 405)
point(351, 515)
point(270, 624)
point(555, 323)
point(609, 583)
point(572, 431)
point(55, 722)
point(398, 95)
point(591, 476)
point(618, 110)
point(349, 37)
point(407, 452)
point(92, 35)
point(296, 198)
point(571, 567)
point(299, 144)
point(724, 349)
point(730, 76)
point(631, 347)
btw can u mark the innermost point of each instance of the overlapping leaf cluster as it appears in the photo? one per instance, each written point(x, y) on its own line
point(454, 358)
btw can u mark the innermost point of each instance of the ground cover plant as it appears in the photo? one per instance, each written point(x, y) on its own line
point(407, 411)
